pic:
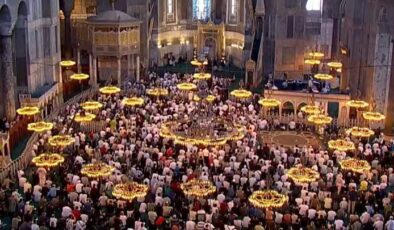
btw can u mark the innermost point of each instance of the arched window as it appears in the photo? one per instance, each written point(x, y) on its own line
point(314, 5)
point(201, 9)
point(170, 7)
point(233, 7)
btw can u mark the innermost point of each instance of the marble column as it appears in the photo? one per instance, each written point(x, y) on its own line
point(94, 71)
point(137, 77)
point(79, 60)
point(129, 60)
point(119, 72)
point(133, 66)
point(68, 6)
point(9, 78)
point(91, 80)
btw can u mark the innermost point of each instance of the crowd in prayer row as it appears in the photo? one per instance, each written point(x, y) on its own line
point(63, 198)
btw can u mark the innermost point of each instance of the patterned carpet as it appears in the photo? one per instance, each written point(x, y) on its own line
point(290, 138)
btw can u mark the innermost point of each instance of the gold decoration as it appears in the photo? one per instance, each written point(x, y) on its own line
point(373, 116)
point(323, 76)
point(335, 64)
point(130, 191)
point(316, 54)
point(28, 110)
point(109, 90)
point(209, 98)
point(157, 92)
point(319, 119)
point(357, 104)
point(267, 199)
point(202, 76)
point(311, 109)
point(40, 126)
point(61, 140)
point(97, 170)
point(198, 188)
point(48, 160)
point(341, 145)
point(241, 93)
point(312, 61)
point(79, 76)
point(303, 174)
point(84, 117)
point(186, 86)
point(360, 131)
point(91, 105)
point(133, 101)
point(269, 102)
point(67, 63)
point(355, 165)
point(196, 62)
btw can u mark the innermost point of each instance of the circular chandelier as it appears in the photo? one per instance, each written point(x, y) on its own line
point(373, 116)
point(341, 145)
point(202, 76)
point(79, 76)
point(28, 110)
point(323, 76)
point(186, 86)
point(48, 160)
point(357, 104)
point(202, 132)
point(312, 61)
point(196, 62)
point(335, 64)
point(157, 92)
point(130, 191)
point(84, 117)
point(91, 105)
point(133, 101)
point(267, 199)
point(198, 188)
point(241, 93)
point(355, 165)
point(61, 140)
point(209, 98)
point(40, 126)
point(109, 90)
point(320, 119)
point(97, 170)
point(67, 63)
point(303, 174)
point(360, 132)
point(316, 54)
point(269, 102)
point(311, 109)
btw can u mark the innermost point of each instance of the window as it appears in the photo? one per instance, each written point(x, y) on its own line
point(314, 5)
point(233, 9)
point(201, 9)
point(170, 7)
point(290, 27)
point(288, 56)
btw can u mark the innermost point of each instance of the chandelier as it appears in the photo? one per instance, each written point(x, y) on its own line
point(202, 76)
point(84, 117)
point(269, 102)
point(335, 64)
point(199, 63)
point(320, 119)
point(28, 110)
point(358, 104)
point(198, 188)
point(355, 165)
point(133, 101)
point(360, 131)
point(61, 140)
point(303, 174)
point(373, 116)
point(40, 126)
point(241, 93)
point(341, 145)
point(209, 98)
point(186, 86)
point(109, 90)
point(48, 160)
point(316, 54)
point(267, 199)
point(91, 105)
point(130, 191)
point(311, 109)
point(323, 76)
point(312, 61)
point(67, 63)
point(79, 76)
point(97, 170)
point(157, 92)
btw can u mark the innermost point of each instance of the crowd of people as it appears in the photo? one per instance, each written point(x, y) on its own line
point(63, 198)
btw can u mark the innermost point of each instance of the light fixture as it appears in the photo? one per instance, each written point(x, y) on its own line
point(198, 188)
point(355, 165)
point(360, 132)
point(133, 101)
point(67, 63)
point(28, 110)
point(97, 170)
point(300, 174)
point(91, 105)
point(157, 92)
point(310, 109)
point(323, 76)
point(320, 119)
point(341, 145)
point(48, 160)
point(84, 117)
point(186, 86)
point(241, 93)
point(61, 140)
point(269, 102)
point(312, 61)
point(109, 90)
point(316, 54)
point(201, 76)
point(373, 116)
point(130, 191)
point(357, 104)
point(267, 199)
point(334, 64)
point(40, 126)
point(79, 76)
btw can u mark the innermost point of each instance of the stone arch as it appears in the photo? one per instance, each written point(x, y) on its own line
point(288, 108)
point(5, 20)
point(300, 105)
point(21, 41)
